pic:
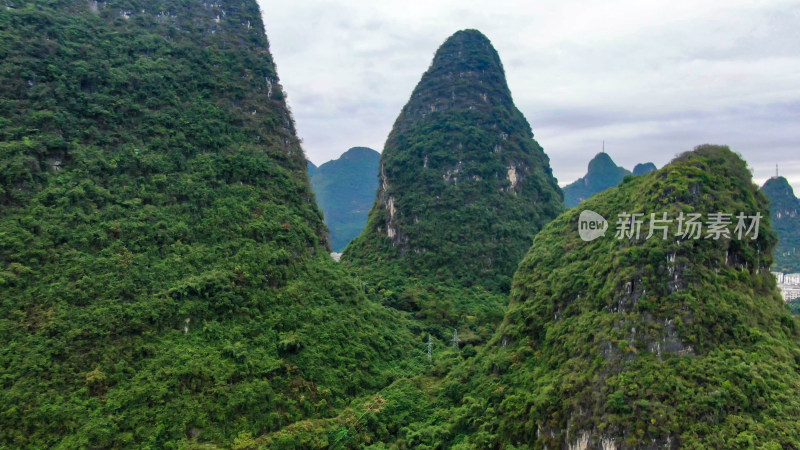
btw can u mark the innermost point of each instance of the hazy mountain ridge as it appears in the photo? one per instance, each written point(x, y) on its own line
point(785, 215)
point(601, 174)
point(345, 191)
point(166, 279)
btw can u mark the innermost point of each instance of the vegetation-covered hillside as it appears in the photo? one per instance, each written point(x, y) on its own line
point(345, 190)
point(636, 342)
point(785, 214)
point(164, 272)
point(463, 188)
point(165, 278)
point(463, 185)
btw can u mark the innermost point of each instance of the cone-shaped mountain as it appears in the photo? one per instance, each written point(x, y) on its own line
point(643, 342)
point(463, 186)
point(164, 272)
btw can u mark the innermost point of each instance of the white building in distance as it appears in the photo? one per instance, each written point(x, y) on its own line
point(789, 284)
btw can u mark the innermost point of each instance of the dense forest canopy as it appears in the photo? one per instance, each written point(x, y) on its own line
point(165, 277)
point(636, 342)
point(463, 188)
point(164, 268)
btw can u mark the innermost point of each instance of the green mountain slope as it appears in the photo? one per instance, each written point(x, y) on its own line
point(164, 271)
point(463, 185)
point(345, 190)
point(785, 215)
point(637, 343)
point(602, 174)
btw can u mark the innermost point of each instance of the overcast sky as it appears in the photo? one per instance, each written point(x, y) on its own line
point(651, 78)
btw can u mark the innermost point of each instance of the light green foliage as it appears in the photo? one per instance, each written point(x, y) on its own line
point(643, 168)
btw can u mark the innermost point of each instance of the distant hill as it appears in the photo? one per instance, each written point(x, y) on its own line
point(645, 168)
point(785, 216)
point(345, 191)
point(311, 168)
point(602, 174)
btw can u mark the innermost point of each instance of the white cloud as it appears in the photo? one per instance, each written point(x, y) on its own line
point(651, 78)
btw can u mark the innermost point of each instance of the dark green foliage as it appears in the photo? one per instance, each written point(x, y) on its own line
point(785, 215)
point(601, 175)
point(345, 190)
point(164, 272)
point(464, 186)
point(637, 343)
point(165, 279)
